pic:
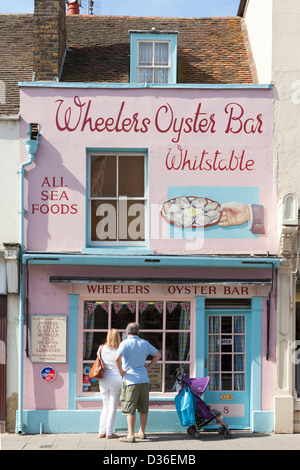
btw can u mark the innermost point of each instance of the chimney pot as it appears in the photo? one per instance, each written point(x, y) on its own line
point(73, 7)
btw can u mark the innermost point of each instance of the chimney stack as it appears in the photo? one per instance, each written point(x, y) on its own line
point(73, 7)
point(50, 39)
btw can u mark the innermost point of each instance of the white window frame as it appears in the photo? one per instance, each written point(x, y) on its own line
point(153, 66)
point(118, 243)
point(164, 331)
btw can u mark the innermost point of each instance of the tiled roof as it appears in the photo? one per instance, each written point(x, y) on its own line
point(210, 50)
point(16, 58)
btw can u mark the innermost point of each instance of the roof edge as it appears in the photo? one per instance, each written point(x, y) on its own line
point(96, 85)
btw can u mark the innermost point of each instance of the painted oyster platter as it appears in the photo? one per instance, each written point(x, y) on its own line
point(191, 211)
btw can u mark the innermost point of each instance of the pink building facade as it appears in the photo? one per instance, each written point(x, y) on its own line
point(153, 204)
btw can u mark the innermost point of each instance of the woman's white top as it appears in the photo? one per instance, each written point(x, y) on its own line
point(108, 357)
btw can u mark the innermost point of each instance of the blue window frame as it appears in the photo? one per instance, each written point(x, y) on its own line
point(153, 57)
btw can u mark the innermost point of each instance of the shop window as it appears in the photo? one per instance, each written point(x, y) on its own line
point(227, 353)
point(117, 199)
point(153, 57)
point(166, 325)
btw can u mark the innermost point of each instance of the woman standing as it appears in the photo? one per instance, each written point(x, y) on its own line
point(110, 386)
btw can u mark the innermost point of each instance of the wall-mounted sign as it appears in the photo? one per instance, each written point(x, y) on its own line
point(48, 374)
point(48, 338)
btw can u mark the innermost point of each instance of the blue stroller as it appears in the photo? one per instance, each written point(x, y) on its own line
point(204, 415)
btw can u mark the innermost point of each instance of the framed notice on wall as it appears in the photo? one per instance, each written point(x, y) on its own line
point(48, 338)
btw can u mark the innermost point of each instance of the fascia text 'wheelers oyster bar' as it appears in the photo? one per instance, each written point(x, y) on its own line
point(155, 205)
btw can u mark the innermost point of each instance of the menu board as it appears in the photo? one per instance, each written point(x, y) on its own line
point(155, 377)
point(48, 338)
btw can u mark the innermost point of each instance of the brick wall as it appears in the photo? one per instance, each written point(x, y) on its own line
point(49, 38)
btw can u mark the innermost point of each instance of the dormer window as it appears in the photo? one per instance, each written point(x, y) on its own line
point(153, 57)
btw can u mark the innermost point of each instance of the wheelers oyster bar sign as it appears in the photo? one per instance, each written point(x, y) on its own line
point(155, 170)
point(210, 290)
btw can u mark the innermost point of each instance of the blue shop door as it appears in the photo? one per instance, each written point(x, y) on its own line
point(228, 365)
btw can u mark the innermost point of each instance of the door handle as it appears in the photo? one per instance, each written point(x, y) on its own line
point(205, 364)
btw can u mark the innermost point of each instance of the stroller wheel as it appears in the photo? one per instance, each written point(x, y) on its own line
point(221, 430)
point(227, 434)
point(196, 435)
point(190, 430)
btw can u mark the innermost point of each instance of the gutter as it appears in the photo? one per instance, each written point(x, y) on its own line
point(243, 8)
point(31, 146)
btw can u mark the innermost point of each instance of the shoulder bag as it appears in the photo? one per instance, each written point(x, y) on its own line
point(97, 370)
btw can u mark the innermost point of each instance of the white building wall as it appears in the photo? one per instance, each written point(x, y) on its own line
point(9, 234)
point(286, 78)
point(274, 33)
point(9, 179)
point(259, 24)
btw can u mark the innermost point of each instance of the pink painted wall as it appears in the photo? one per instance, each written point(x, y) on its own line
point(217, 142)
point(47, 298)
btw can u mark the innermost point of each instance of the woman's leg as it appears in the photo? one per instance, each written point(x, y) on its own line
point(103, 414)
point(114, 398)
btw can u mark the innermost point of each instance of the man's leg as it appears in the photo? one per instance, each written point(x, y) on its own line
point(143, 422)
point(130, 423)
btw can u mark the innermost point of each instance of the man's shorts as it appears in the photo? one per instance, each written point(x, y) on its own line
point(134, 397)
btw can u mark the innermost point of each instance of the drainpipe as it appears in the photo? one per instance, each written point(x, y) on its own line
point(31, 146)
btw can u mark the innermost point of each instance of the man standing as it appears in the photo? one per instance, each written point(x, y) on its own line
point(130, 360)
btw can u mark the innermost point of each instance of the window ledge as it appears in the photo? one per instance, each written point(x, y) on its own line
point(117, 250)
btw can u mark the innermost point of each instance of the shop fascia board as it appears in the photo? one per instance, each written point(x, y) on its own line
point(153, 261)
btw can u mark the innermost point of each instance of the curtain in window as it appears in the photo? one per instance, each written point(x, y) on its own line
point(239, 382)
point(150, 55)
point(239, 324)
point(214, 325)
point(161, 53)
point(89, 324)
point(145, 53)
point(184, 338)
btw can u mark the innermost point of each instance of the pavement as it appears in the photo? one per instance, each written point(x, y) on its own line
point(165, 446)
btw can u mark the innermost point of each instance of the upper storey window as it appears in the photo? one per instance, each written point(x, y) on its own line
point(153, 57)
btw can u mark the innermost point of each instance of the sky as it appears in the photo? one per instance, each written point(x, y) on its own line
point(179, 8)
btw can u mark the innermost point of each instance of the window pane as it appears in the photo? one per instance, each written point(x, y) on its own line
point(213, 362)
point(239, 324)
point(145, 53)
point(88, 385)
point(122, 313)
point(214, 325)
point(214, 383)
point(226, 343)
point(131, 176)
point(145, 75)
point(226, 382)
point(178, 346)
point(161, 76)
point(226, 362)
point(91, 342)
point(155, 339)
point(178, 316)
point(95, 315)
point(151, 315)
point(104, 220)
point(239, 343)
point(213, 343)
point(239, 381)
point(170, 375)
point(161, 53)
point(226, 324)
point(131, 220)
point(103, 176)
point(239, 362)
